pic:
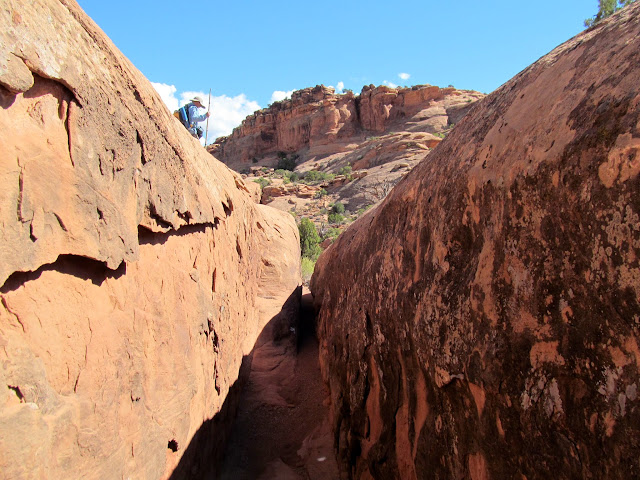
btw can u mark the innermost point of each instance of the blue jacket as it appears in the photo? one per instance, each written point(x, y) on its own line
point(194, 118)
point(193, 114)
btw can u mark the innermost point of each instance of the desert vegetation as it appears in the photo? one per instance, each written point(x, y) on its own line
point(606, 8)
point(309, 247)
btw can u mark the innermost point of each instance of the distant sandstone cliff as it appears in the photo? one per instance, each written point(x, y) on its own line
point(484, 321)
point(317, 121)
point(135, 271)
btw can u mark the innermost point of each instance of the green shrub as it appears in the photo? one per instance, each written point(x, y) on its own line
point(338, 207)
point(308, 267)
point(263, 182)
point(309, 239)
point(360, 211)
point(346, 170)
point(335, 218)
point(333, 233)
point(321, 193)
point(286, 175)
point(313, 176)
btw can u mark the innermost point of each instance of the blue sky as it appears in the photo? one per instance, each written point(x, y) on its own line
point(253, 52)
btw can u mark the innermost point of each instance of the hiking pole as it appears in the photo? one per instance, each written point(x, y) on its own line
point(206, 135)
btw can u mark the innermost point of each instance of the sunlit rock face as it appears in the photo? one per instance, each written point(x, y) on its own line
point(317, 122)
point(135, 269)
point(483, 322)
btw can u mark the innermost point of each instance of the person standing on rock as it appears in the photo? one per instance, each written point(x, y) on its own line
point(193, 116)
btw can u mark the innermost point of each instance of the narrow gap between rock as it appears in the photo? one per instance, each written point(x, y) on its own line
point(282, 426)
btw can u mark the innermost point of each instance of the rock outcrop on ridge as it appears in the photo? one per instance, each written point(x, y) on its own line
point(484, 321)
point(135, 270)
point(367, 142)
point(317, 122)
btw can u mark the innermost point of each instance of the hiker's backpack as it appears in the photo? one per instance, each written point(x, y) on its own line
point(182, 114)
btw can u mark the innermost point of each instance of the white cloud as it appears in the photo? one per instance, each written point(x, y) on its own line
point(339, 89)
point(404, 76)
point(168, 95)
point(279, 95)
point(226, 112)
point(390, 84)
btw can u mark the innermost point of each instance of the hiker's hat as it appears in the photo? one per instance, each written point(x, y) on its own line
point(197, 99)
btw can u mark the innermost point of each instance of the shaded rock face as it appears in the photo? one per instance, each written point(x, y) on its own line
point(483, 322)
point(317, 122)
point(135, 270)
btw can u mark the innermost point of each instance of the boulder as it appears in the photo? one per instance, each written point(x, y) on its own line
point(135, 270)
point(483, 322)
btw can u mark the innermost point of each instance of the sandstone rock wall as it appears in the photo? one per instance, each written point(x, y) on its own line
point(135, 271)
point(381, 105)
point(317, 117)
point(484, 321)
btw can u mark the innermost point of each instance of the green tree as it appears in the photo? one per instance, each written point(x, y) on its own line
point(285, 162)
point(309, 239)
point(606, 8)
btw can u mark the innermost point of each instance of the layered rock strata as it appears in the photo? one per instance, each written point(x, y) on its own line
point(484, 321)
point(318, 122)
point(135, 270)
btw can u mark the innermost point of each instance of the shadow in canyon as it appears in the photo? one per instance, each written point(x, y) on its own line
point(274, 421)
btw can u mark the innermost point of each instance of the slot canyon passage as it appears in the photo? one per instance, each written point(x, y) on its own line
point(482, 321)
point(282, 429)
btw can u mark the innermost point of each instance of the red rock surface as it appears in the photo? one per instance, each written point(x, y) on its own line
point(483, 322)
point(135, 269)
point(316, 122)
